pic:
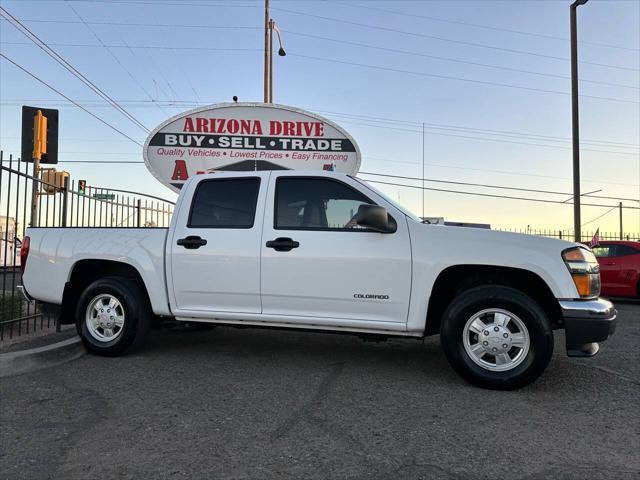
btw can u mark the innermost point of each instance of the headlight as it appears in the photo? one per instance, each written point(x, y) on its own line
point(584, 269)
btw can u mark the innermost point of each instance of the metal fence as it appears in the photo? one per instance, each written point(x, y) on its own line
point(58, 205)
point(568, 234)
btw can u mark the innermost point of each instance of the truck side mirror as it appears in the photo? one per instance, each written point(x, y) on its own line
point(375, 217)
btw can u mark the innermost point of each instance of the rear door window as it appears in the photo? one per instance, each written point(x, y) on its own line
point(624, 250)
point(225, 203)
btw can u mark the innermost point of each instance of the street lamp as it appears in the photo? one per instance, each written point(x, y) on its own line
point(574, 120)
point(273, 27)
point(269, 27)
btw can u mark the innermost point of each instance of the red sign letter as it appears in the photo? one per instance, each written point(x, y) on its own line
point(180, 171)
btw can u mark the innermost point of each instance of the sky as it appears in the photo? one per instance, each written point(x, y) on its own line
point(486, 81)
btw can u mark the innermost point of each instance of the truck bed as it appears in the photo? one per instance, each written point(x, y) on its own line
point(57, 250)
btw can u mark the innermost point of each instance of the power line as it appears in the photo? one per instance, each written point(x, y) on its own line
point(71, 152)
point(113, 55)
point(504, 172)
point(426, 188)
point(443, 39)
point(382, 122)
point(474, 130)
point(67, 98)
point(70, 68)
point(461, 79)
point(488, 139)
point(487, 27)
point(376, 67)
point(412, 15)
point(140, 24)
point(600, 216)
point(437, 133)
point(143, 47)
point(437, 165)
point(136, 56)
point(450, 59)
point(433, 180)
point(74, 139)
point(346, 42)
point(154, 3)
point(452, 128)
point(540, 200)
point(101, 161)
point(502, 187)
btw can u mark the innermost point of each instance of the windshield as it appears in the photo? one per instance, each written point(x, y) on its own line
point(386, 197)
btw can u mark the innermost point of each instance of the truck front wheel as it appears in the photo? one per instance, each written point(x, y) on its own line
point(496, 337)
point(113, 316)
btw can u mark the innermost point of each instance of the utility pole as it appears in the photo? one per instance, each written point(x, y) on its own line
point(423, 171)
point(267, 53)
point(270, 26)
point(620, 208)
point(574, 120)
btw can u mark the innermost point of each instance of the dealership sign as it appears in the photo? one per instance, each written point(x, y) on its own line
point(245, 137)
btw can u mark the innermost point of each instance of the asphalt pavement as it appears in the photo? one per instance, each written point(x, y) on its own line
point(250, 403)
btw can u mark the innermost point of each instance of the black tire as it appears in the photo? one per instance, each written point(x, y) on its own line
point(137, 315)
point(466, 305)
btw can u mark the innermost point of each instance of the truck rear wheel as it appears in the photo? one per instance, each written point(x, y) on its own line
point(496, 337)
point(113, 316)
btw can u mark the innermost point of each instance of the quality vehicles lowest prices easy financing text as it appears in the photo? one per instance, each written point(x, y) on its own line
point(325, 251)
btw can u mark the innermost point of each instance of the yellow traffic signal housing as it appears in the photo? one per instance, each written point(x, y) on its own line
point(53, 181)
point(39, 135)
point(42, 146)
point(48, 180)
point(62, 179)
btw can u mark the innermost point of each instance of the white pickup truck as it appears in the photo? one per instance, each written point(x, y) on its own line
point(325, 251)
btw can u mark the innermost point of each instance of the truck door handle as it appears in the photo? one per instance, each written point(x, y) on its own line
point(282, 244)
point(191, 242)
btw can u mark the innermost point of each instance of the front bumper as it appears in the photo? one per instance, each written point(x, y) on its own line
point(587, 322)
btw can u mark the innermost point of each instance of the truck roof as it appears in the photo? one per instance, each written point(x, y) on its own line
point(315, 173)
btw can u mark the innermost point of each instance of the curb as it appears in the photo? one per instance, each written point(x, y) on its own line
point(24, 361)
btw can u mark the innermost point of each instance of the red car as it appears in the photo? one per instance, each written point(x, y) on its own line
point(619, 268)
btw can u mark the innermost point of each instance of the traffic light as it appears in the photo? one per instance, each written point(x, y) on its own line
point(39, 136)
point(53, 181)
point(82, 187)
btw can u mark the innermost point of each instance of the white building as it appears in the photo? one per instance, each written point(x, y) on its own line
point(9, 243)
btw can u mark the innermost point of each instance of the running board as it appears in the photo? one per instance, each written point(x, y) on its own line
point(298, 326)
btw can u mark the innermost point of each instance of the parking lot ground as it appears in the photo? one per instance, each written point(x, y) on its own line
point(251, 403)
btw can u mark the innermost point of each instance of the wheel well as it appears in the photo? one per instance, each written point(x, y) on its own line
point(86, 272)
point(454, 280)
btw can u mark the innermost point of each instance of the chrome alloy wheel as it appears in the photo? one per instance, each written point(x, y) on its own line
point(496, 339)
point(105, 318)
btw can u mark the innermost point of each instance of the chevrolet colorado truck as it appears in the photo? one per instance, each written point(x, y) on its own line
point(326, 252)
